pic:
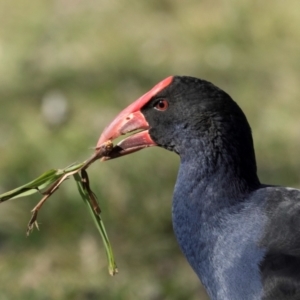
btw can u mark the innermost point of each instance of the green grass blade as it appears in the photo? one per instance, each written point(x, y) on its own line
point(33, 186)
point(39, 183)
point(112, 267)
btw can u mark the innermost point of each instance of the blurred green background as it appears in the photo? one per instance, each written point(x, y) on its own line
point(66, 68)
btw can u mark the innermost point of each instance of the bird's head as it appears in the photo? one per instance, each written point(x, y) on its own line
point(178, 113)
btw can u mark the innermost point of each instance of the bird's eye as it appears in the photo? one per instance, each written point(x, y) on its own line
point(161, 105)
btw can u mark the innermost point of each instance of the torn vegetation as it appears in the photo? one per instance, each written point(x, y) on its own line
point(50, 181)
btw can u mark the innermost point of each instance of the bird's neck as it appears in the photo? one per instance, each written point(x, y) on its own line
point(223, 169)
point(209, 188)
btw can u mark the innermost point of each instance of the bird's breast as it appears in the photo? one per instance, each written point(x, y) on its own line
point(221, 246)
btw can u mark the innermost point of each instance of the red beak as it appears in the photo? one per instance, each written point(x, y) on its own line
point(129, 120)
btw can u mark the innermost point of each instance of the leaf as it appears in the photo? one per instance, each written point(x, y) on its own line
point(33, 186)
point(85, 194)
point(52, 175)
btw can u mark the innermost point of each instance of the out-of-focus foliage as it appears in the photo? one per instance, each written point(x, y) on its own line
point(66, 68)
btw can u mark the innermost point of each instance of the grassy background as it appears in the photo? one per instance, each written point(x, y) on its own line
point(66, 68)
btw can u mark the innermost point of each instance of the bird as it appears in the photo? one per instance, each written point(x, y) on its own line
point(240, 236)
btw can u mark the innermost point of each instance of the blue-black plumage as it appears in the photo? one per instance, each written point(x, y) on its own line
point(242, 238)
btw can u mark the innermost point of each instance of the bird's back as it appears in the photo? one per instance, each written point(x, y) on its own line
point(280, 268)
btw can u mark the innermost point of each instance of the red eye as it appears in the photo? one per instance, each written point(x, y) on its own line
point(161, 105)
